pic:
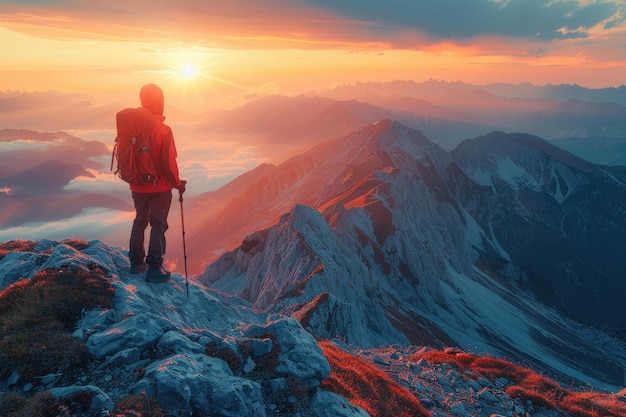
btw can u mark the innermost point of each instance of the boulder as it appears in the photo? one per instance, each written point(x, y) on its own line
point(140, 331)
point(196, 384)
point(299, 354)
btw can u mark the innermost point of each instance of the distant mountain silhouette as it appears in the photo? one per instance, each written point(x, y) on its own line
point(560, 92)
point(447, 113)
point(605, 151)
point(28, 148)
point(575, 119)
point(44, 179)
point(482, 106)
point(550, 111)
point(284, 126)
point(51, 111)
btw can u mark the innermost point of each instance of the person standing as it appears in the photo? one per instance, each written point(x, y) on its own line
point(152, 201)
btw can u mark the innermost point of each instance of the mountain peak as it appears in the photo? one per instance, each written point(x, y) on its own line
point(394, 240)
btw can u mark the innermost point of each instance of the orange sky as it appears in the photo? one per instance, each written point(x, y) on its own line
point(244, 48)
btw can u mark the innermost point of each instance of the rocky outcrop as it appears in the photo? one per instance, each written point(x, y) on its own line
point(201, 353)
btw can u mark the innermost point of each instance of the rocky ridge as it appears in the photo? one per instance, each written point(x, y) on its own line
point(207, 353)
point(204, 353)
point(492, 248)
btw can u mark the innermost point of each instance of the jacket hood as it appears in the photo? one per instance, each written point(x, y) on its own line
point(152, 98)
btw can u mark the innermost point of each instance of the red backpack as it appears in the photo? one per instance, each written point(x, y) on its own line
point(134, 149)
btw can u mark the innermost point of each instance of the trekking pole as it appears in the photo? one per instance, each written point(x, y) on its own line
point(182, 220)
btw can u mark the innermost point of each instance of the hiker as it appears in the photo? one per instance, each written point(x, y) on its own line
point(153, 200)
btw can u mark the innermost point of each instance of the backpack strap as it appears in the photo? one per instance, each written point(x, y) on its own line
point(114, 155)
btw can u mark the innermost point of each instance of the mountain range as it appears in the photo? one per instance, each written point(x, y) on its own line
point(504, 245)
point(370, 238)
point(285, 126)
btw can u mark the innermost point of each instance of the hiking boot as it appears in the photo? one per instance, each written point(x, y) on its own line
point(138, 268)
point(157, 275)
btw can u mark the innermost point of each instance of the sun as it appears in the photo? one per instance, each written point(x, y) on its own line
point(189, 71)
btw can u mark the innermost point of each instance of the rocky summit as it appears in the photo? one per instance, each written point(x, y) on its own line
point(201, 353)
point(187, 350)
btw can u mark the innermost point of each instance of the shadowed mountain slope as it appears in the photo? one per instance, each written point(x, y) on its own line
point(387, 238)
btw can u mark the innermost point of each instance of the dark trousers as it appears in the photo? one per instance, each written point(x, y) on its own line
point(151, 208)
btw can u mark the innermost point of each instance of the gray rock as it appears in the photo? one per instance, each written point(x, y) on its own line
point(139, 331)
point(487, 395)
point(44, 245)
point(99, 400)
point(66, 256)
point(502, 382)
point(276, 385)
point(261, 347)
point(458, 409)
point(123, 357)
point(300, 356)
point(18, 265)
point(174, 342)
point(13, 378)
point(92, 322)
point(48, 379)
point(106, 256)
point(197, 384)
point(248, 365)
point(484, 382)
point(328, 404)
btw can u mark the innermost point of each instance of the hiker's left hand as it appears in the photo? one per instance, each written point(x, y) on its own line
point(182, 186)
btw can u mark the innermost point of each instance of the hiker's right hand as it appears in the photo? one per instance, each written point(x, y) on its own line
point(182, 186)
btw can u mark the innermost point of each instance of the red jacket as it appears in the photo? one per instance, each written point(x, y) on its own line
point(165, 153)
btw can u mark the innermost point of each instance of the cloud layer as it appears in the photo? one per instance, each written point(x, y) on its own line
point(314, 23)
point(110, 226)
point(241, 47)
point(462, 19)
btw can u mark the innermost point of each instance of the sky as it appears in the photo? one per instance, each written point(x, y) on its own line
point(215, 53)
point(211, 54)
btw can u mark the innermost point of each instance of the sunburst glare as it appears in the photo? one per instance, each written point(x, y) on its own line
point(189, 71)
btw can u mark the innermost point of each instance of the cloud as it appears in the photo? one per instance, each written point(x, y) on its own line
point(209, 167)
point(461, 19)
point(222, 23)
point(261, 91)
point(24, 145)
point(294, 44)
point(101, 182)
point(311, 24)
point(110, 226)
